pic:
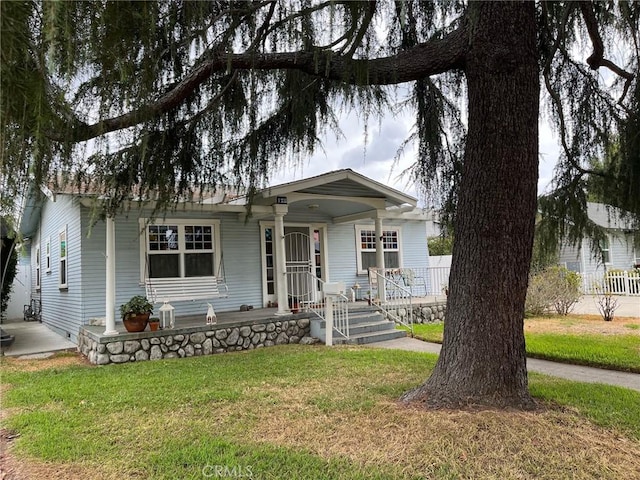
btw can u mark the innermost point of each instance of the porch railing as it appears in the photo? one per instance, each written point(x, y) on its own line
point(392, 297)
point(306, 293)
point(613, 282)
point(420, 281)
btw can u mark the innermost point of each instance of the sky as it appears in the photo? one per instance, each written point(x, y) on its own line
point(371, 152)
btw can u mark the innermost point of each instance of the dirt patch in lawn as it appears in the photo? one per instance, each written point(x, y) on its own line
point(583, 325)
point(59, 360)
point(457, 444)
point(14, 469)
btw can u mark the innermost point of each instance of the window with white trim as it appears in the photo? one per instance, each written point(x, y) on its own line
point(37, 254)
point(47, 255)
point(62, 262)
point(604, 247)
point(181, 248)
point(366, 247)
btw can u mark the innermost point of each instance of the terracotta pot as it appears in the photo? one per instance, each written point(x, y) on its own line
point(153, 326)
point(135, 322)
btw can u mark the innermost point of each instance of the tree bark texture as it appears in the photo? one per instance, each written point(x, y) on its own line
point(483, 356)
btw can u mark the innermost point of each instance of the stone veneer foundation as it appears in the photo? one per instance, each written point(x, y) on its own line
point(432, 312)
point(190, 341)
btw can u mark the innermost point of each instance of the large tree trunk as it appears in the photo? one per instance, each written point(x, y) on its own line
point(483, 356)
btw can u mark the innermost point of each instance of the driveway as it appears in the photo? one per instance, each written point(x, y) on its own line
point(628, 306)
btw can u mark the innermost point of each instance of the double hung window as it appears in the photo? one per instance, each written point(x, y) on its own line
point(366, 248)
point(182, 248)
point(62, 237)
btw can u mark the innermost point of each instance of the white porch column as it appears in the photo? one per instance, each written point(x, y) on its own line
point(110, 294)
point(380, 259)
point(281, 262)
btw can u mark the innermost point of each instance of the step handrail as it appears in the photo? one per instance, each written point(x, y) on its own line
point(316, 304)
point(395, 300)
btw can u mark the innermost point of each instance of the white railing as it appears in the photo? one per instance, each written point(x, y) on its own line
point(306, 293)
point(392, 297)
point(340, 304)
point(421, 281)
point(614, 282)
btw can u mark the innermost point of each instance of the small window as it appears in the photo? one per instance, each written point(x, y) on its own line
point(366, 248)
point(37, 254)
point(63, 250)
point(47, 255)
point(606, 254)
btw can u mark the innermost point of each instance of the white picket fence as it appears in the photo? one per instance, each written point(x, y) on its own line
point(616, 283)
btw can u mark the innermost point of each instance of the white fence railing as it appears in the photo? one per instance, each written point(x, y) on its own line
point(420, 281)
point(614, 282)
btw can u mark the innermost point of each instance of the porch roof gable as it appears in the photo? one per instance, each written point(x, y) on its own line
point(339, 183)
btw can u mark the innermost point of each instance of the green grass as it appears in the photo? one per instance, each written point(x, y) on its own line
point(616, 352)
point(174, 418)
point(607, 406)
point(79, 413)
point(619, 352)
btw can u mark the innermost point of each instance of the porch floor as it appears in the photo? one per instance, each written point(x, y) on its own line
point(197, 323)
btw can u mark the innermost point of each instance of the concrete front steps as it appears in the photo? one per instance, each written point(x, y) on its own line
point(365, 326)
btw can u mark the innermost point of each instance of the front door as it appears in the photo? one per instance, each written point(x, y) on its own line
point(303, 244)
point(297, 245)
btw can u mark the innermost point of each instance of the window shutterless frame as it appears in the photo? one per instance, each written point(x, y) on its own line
point(63, 263)
point(366, 247)
point(180, 248)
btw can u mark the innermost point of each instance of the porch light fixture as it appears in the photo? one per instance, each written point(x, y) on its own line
point(167, 315)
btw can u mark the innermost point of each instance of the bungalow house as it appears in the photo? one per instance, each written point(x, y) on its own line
point(620, 251)
point(333, 226)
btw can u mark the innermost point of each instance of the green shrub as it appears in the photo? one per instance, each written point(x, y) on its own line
point(440, 246)
point(552, 289)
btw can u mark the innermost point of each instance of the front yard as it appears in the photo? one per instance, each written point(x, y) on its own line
point(577, 339)
point(299, 412)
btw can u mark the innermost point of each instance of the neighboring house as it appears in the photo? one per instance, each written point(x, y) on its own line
point(620, 251)
point(328, 225)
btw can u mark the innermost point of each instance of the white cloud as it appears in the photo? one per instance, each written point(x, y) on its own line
point(371, 152)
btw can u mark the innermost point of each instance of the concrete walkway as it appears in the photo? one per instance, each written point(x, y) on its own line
point(562, 370)
point(33, 338)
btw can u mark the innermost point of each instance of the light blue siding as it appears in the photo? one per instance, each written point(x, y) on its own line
point(621, 251)
point(61, 308)
point(572, 257)
point(240, 258)
point(343, 251)
point(66, 310)
point(415, 251)
point(621, 255)
point(342, 256)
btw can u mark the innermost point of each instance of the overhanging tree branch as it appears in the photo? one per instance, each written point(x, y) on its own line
point(596, 59)
point(430, 58)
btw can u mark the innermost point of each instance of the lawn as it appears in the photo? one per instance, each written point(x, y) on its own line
point(577, 339)
point(300, 412)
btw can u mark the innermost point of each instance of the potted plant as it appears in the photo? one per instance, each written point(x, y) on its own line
point(154, 323)
point(135, 313)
